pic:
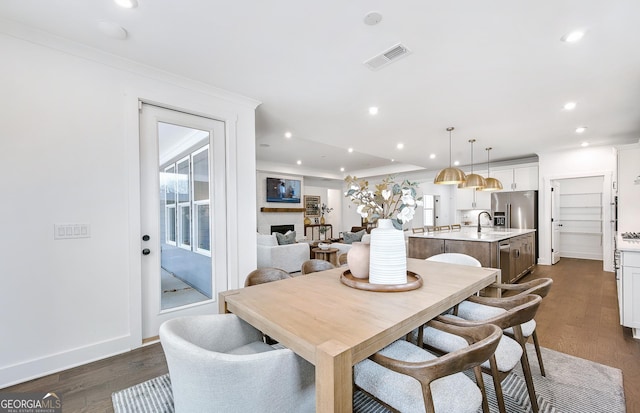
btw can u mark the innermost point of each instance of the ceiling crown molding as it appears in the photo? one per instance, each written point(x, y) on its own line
point(45, 39)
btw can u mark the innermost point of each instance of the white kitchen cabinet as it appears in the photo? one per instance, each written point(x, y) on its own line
point(470, 198)
point(630, 263)
point(521, 178)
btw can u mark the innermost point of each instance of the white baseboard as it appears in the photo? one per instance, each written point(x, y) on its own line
point(35, 368)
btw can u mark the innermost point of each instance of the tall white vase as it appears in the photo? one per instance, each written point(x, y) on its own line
point(388, 262)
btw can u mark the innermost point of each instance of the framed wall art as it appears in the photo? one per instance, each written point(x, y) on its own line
point(311, 206)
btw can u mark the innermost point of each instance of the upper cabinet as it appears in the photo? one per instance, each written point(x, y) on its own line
point(521, 178)
point(472, 199)
point(518, 178)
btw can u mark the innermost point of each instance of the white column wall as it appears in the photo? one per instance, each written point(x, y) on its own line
point(69, 152)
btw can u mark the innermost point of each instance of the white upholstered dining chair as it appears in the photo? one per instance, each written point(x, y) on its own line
point(518, 310)
point(481, 308)
point(220, 363)
point(455, 258)
point(410, 379)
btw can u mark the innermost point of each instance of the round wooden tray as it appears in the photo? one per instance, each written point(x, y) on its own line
point(414, 281)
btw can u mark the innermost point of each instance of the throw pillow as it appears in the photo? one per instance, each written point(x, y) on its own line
point(351, 237)
point(288, 238)
point(267, 240)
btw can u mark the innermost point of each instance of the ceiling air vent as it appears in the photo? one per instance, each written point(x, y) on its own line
point(388, 56)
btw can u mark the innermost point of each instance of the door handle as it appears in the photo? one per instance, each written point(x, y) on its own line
point(146, 251)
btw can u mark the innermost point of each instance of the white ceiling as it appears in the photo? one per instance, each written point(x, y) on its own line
point(495, 69)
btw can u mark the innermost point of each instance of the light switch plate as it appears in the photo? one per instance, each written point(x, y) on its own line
point(71, 231)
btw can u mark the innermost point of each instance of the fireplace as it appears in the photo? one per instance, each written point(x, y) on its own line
point(282, 228)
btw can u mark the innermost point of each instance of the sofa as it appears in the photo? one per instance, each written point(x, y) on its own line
point(344, 248)
point(287, 257)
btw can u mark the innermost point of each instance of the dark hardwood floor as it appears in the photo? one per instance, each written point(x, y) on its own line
point(578, 317)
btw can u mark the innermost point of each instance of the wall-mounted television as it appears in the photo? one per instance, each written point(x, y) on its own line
point(283, 190)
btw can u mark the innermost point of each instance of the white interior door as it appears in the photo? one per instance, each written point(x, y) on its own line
point(183, 218)
point(556, 224)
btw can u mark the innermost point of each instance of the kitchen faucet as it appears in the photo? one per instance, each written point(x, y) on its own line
point(483, 212)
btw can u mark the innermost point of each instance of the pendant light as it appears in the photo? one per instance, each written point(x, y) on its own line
point(474, 181)
point(450, 175)
point(492, 183)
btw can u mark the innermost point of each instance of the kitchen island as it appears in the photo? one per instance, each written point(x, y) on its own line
point(510, 249)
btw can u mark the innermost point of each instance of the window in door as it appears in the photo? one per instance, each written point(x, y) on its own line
point(168, 179)
point(429, 210)
point(184, 202)
point(200, 159)
point(187, 201)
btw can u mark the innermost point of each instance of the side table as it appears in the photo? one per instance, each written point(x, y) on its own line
point(328, 254)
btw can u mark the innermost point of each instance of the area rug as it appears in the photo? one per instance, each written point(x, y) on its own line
point(572, 385)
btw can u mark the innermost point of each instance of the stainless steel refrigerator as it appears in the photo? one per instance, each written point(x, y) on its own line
point(516, 210)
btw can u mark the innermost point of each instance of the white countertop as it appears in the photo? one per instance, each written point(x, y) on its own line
point(488, 234)
point(627, 245)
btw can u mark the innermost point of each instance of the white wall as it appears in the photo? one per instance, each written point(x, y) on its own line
point(69, 152)
point(629, 188)
point(583, 162)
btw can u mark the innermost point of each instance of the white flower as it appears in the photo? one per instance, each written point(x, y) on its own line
point(406, 214)
point(407, 199)
point(419, 203)
point(390, 200)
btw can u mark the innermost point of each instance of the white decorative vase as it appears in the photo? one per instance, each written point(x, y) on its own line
point(388, 261)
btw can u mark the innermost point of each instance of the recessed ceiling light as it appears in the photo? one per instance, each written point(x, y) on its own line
point(573, 37)
point(456, 163)
point(570, 106)
point(127, 4)
point(581, 129)
point(350, 150)
point(113, 30)
point(432, 156)
point(393, 160)
point(341, 169)
point(584, 144)
point(373, 110)
point(288, 135)
point(400, 145)
point(299, 162)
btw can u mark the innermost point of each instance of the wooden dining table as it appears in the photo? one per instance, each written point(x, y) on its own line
point(334, 326)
